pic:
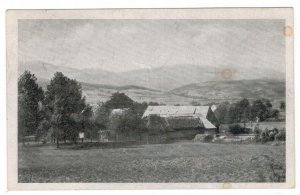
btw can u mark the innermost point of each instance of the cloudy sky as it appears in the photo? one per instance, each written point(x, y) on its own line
point(123, 45)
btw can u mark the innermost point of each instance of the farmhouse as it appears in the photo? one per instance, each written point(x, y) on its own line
point(164, 123)
point(180, 122)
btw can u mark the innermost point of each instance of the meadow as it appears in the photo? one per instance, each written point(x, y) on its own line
point(184, 161)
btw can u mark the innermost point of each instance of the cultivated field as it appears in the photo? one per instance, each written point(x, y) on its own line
point(176, 162)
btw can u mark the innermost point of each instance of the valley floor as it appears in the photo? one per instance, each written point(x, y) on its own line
point(176, 162)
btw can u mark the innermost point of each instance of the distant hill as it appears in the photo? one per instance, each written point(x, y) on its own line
point(164, 78)
point(203, 93)
point(169, 85)
point(227, 90)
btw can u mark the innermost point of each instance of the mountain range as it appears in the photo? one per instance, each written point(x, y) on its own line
point(163, 78)
point(170, 85)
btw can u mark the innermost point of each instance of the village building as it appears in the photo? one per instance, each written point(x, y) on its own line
point(163, 124)
point(180, 122)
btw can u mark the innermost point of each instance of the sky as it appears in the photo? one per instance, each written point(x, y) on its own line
point(124, 45)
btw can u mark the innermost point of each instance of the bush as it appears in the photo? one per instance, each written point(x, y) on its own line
point(264, 136)
point(280, 136)
point(269, 135)
point(238, 129)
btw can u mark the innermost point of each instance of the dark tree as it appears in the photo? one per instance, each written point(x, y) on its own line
point(29, 97)
point(119, 100)
point(243, 107)
point(65, 103)
point(261, 108)
point(43, 129)
point(116, 101)
point(275, 114)
point(139, 108)
point(282, 105)
point(233, 114)
point(130, 122)
point(87, 123)
point(101, 116)
point(222, 113)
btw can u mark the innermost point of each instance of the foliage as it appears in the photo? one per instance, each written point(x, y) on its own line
point(29, 97)
point(269, 135)
point(66, 106)
point(274, 114)
point(101, 116)
point(222, 113)
point(280, 136)
point(119, 100)
point(243, 111)
point(43, 129)
point(282, 105)
point(238, 129)
point(261, 108)
point(130, 122)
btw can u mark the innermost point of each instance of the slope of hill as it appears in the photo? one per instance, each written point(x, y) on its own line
point(170, 77)
point(168, 85)
point(46, 71)
point(230, 90)
point(203, 93)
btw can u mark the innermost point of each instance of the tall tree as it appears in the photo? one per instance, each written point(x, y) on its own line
point(29, 97)
point(243, 107)
point(261, 108)
point(222, 112)
point(65, 103)
point(119, 100)
point(116, 101)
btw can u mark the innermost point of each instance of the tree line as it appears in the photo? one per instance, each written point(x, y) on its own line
point(245, 111)
point(62, 112)
point(61, 108)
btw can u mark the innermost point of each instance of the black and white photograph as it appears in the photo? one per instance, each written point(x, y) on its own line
point(154, 99)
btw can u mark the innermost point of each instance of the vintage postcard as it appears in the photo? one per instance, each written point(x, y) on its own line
point(150, 98)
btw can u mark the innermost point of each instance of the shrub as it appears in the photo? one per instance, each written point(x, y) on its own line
point(238, 129)
point(269, 135)
point(264, 136)
point(272, 133)
point(280, 136)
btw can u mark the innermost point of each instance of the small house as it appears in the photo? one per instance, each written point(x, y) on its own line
point(180, 122)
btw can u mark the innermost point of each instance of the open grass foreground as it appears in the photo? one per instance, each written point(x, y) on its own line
point(176, 162)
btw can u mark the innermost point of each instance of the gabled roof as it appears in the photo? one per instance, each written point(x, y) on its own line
point(206, 123)
point(168, 111)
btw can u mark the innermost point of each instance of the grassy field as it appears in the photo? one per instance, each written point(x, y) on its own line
point(176, 162)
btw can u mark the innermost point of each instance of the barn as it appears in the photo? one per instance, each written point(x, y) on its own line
point(165, 123)
point(179, 122)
